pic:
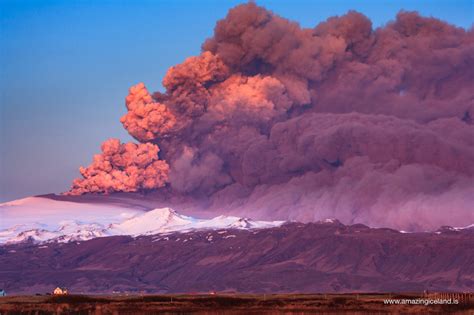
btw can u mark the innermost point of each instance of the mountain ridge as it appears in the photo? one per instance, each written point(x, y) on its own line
point(293, 257)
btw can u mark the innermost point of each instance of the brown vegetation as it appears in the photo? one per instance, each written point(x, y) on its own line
point(231, 304)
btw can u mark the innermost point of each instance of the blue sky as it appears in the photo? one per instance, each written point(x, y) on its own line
point(66, 66)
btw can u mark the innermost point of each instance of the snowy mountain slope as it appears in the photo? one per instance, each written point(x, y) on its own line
point(43, 220)
point(154, 221)
point(33, 211)
point(167, 220)
point(16, 230)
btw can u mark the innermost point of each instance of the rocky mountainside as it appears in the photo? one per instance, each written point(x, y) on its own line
point(295, 257)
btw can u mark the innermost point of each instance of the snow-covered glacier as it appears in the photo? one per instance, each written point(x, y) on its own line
point(42, 220)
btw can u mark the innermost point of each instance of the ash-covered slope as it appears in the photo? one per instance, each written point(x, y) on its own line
point(295, 257)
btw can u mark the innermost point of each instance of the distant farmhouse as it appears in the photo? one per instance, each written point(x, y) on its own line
point(3, 293)
point(60, 291)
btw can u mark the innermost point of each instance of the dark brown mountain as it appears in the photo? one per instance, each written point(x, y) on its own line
point(313, 257)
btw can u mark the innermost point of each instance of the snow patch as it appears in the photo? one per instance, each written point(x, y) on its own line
point(329, 220)
point(464, 228)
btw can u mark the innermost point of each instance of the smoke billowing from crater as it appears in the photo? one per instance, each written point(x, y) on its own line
point(276, 121)
point(122, 167)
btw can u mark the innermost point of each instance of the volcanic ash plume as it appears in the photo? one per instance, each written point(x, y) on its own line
point(342, 120)
point(122, 167)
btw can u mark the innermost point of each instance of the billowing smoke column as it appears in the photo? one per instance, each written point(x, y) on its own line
point(276, 121)
point(122, 167)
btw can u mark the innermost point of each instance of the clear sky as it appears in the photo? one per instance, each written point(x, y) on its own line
point(66, 66)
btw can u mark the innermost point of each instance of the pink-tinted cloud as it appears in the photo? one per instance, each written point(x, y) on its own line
point(122, 167)
point(146, 119)
point(340, 120)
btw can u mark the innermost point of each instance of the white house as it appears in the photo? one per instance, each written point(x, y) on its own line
point(60, 291)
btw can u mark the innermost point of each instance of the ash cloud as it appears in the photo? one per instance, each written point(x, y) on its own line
point(122, 167)
point(342, 120)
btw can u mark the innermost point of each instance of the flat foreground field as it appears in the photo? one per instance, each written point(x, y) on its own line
point(236, 304)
